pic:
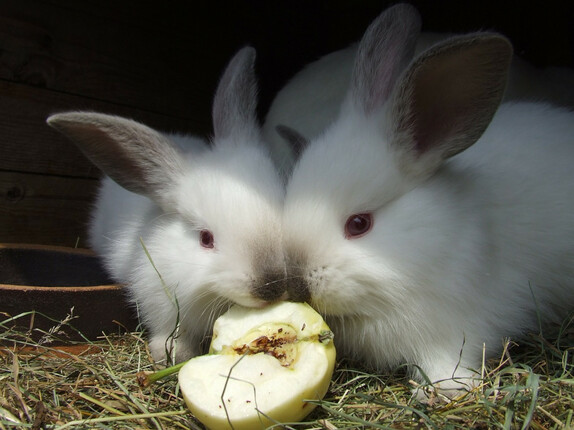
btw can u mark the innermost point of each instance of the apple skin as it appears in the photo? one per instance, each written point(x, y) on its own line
point(272, 359)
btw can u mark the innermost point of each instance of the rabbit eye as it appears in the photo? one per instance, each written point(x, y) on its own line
point(206, 239)
point(358, 225)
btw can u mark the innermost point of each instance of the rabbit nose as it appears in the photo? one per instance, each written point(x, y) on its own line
point(298, 291)
point(275, 287)
point(271, 287)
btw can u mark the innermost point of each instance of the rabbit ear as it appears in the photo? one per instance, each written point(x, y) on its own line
point(135, 156)
point(235, 102)
point(384, 51)
point(296, 141)
point(447, 98)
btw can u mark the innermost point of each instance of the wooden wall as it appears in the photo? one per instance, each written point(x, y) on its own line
point(159, 62)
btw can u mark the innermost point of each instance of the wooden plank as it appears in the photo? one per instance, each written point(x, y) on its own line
point(27, 144)
point(167, 56)
point(65, 49)
point(45, 209)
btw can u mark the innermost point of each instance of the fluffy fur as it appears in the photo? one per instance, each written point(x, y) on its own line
point(311, 100)
point(178, 187)
point(467, 246)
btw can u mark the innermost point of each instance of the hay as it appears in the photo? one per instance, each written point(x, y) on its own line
point(93, 385)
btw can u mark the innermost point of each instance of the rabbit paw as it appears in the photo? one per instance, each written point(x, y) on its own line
point(165, 349)
point(444, 391)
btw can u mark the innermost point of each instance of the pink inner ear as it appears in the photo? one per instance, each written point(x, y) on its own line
point(385, 50)
point(386, 76)
point(379, 78)
point(454, 92)
point(434, 108)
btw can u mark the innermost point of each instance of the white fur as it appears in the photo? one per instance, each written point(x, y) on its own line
point(459, 256)
point(151, 240)
point(458, 259)
point(311, 100)
point(232, 191)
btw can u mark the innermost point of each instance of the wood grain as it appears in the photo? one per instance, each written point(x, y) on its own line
point(45, 209)
point(159, 63)
point(28, 144)
point(74, 51)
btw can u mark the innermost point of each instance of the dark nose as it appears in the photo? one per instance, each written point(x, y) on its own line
point(270, 287)
point(274, 287)
point(298, 290)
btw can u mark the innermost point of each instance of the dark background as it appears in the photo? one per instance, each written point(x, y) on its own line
point(159, 63)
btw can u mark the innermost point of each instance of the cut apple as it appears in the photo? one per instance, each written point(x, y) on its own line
point(263, 367)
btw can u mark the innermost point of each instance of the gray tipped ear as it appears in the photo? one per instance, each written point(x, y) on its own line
point(135, 156)
point(385, 50)
point(296, 141)
point(235, 103)
point(447, 98)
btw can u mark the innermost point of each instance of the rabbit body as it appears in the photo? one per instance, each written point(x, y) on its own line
point(471, 256)
point(190, 229)
point(425, 222)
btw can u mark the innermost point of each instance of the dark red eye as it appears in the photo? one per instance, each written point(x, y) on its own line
point(358, 225)
point(206, 239)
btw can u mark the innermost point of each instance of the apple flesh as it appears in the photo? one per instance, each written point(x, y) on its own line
point(262, 368)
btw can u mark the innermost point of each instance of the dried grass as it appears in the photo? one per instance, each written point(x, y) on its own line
point(93, 385)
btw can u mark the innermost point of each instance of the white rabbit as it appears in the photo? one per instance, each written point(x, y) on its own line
point(426, 222)
point(209, 217)
point(310, 101)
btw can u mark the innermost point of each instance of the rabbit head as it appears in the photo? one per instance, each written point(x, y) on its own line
point(200, 227)
point(396, 127)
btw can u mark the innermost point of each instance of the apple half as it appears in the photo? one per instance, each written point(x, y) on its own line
point(262, 367)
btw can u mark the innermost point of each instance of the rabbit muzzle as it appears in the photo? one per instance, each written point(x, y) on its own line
point(274, 287)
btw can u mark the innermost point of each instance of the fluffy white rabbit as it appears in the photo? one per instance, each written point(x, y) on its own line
point(310, 101)
point(209, 217)
point(426, 221)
